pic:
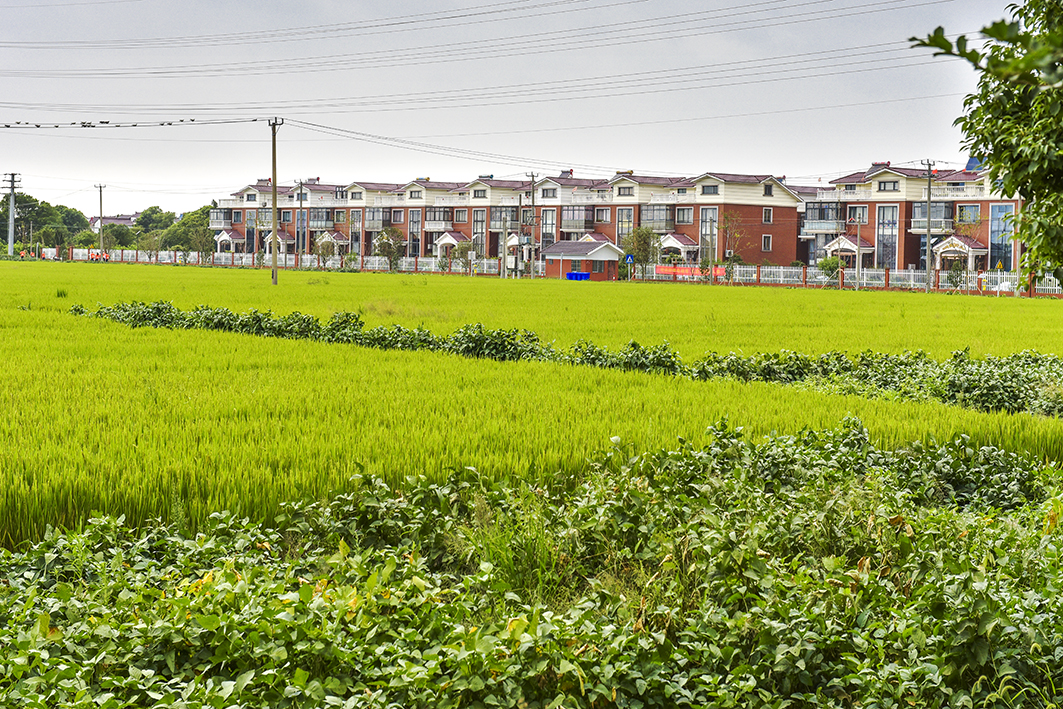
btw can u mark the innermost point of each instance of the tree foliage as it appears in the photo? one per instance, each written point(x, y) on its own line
point(643, 245)
point(391, 244)
point(154, 218)
point(1014, 122)
point(186, 231)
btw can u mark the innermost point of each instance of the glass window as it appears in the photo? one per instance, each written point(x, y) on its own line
point(681, 190)
point(598, 266)
point(767, 213)
point(968, 213)
point(416, 194)
point(625, 221)
point(356, 219)
point(527, 216)
point(341, 216)
point(888, 186)
point(886, 236)
point(767, 192)
point(396, 216)
point(684, 215)
point(415, 221)
point(251, 197)
point(857, 214)
point(237, 216)
point(286, 216)
point(356, 196)
point(479, 194)
point(707, 232)
point(601, 215)
point(1000, 235)
point(710, 189)
point(625, 191)
point(461, 216)
point(765, 242)
point(549, 192)
point(549, 226)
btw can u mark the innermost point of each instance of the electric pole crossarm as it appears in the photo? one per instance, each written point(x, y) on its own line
point(12, 177)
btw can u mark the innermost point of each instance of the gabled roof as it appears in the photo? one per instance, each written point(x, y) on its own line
point(734, 177)
point(875, 170)
point(375, 186)
point(959, 176)
point(648, 180)
point(678, 241)
point(263, 186)
point(517, 185)
point(582, 249)
point(229, 236)
point(967, 242)
point(847, 242)
point(430, 185)
point(574, 182)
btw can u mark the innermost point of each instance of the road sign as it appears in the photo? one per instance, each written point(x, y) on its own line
point(630, 258)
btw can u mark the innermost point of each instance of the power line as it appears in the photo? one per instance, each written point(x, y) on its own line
point(637, 32)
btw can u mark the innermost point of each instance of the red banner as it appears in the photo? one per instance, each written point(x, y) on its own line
point(663, 270)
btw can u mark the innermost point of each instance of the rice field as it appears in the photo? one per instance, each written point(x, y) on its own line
point(178, 424)
point(694, 319)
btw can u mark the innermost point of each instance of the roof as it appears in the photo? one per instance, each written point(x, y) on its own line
point(679, 239)
point(595, 236)
point(229, 236)
point(967, 241)
point(127, 219)
point(431, 185)
point(575, 182)
point(375, 186)
point(648, 179)
point(518, 185)
point(581, 248)
point(877, 169)
point(804, 189)
point(733, 177)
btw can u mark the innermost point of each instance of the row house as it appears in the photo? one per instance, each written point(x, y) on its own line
point(880, 216)
point(713, 215)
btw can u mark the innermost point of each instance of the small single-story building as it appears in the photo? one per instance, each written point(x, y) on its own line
point(598, 259)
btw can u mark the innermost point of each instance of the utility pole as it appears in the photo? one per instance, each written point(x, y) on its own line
point(531, 250)
point(11, 178)
point(274, 124)
point(100, 188)
point(929, 188)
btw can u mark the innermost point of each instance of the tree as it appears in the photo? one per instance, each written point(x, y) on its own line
point(118, 235)
point(391, 244)
point(181, 234)
point(1014, 122)
point(729, 227)
point(85, 238)
point(73, 219)
point(201, 240)
point(460, 253)
point(154, 218)
point(642, 244)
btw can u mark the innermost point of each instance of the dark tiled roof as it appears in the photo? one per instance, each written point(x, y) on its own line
point(575, 248)
point(875, 169)
point(432, 185)
point(649, 179)
point(682, 239)
point(375, 186)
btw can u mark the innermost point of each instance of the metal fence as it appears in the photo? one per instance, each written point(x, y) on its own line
point(983, 282)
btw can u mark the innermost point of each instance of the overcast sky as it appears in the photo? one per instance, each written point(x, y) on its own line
point(809, 89)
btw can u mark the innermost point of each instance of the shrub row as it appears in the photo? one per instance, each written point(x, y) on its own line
point(812, 570)
point(1026, 381)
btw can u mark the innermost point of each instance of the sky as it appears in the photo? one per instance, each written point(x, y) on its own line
point(169, 103)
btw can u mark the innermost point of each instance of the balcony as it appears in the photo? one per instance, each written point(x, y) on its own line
point(376, 224)
point(321, 223)
point(664, 225)
point(667, 198)
point(389, 200)
point(235, 204)
point(221, 224)
point(323, 202)
point(590, 198)
point(265, 218)
point(843, 195)
point(509, 201)
point(451, 201)
point(968, 192)
point(577, 224)
point(438, 225)
point(824, 226)
point(937, 226)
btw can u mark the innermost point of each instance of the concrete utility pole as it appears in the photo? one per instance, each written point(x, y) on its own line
point(274, 124)
point(11, 178)
point(100, 188)
point(929, 188)
point(531, 251)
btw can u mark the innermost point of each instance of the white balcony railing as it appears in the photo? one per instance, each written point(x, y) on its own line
point(509, 201)
point(937, 226)
point(974, 192)
point(389, 200)
point(434, 225)
point(824, 226)
point(667, 198)
point(221, 224)
point(842, 195)
point(451, 201)
point(591, 198)
point(235, 204)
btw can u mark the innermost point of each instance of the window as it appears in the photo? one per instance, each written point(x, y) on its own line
point(461, 216)
point(479, 194)
point(251, 197)
point(710, 189)
point(341, 216)
point(303, 196)
point(857, 214)
point(416, 194)
point(684, 215)
point(415, 221)
point(548, 226)
point(886, 236)
point(527, 216)
point(1000, 216)
point(237, 216)
point(598, 266)
point(889, 186)
point(681, 190)
point(357, 196)
point(850, 188)
point(968, 214)
point(767, 192)
point(707, 231)
point(625, 191)
point(356, 219)
point(396, 216)
point(549, 193)
point(765, 242)
point(479, 230)
point(601, 215)
point(250, 215)
point(286, 216)
point(767, 215)
point(341, 194)
point(528, 194)
point(625, 222)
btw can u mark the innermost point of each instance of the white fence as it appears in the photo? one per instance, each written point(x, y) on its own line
point(986, 282)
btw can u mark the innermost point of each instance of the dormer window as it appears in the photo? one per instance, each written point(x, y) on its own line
point(889, 186)
point(549, 192)
point(710, 189)
point(357, 196)
point(850, 188)
point(625, 191)
point(479, 194)
point(341, 194)
point(681, 190)
point(251, 197)
point(767, 190)
point(416, 194)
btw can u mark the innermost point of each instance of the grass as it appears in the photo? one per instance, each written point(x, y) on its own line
point(694, 319)
point(153, 423)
